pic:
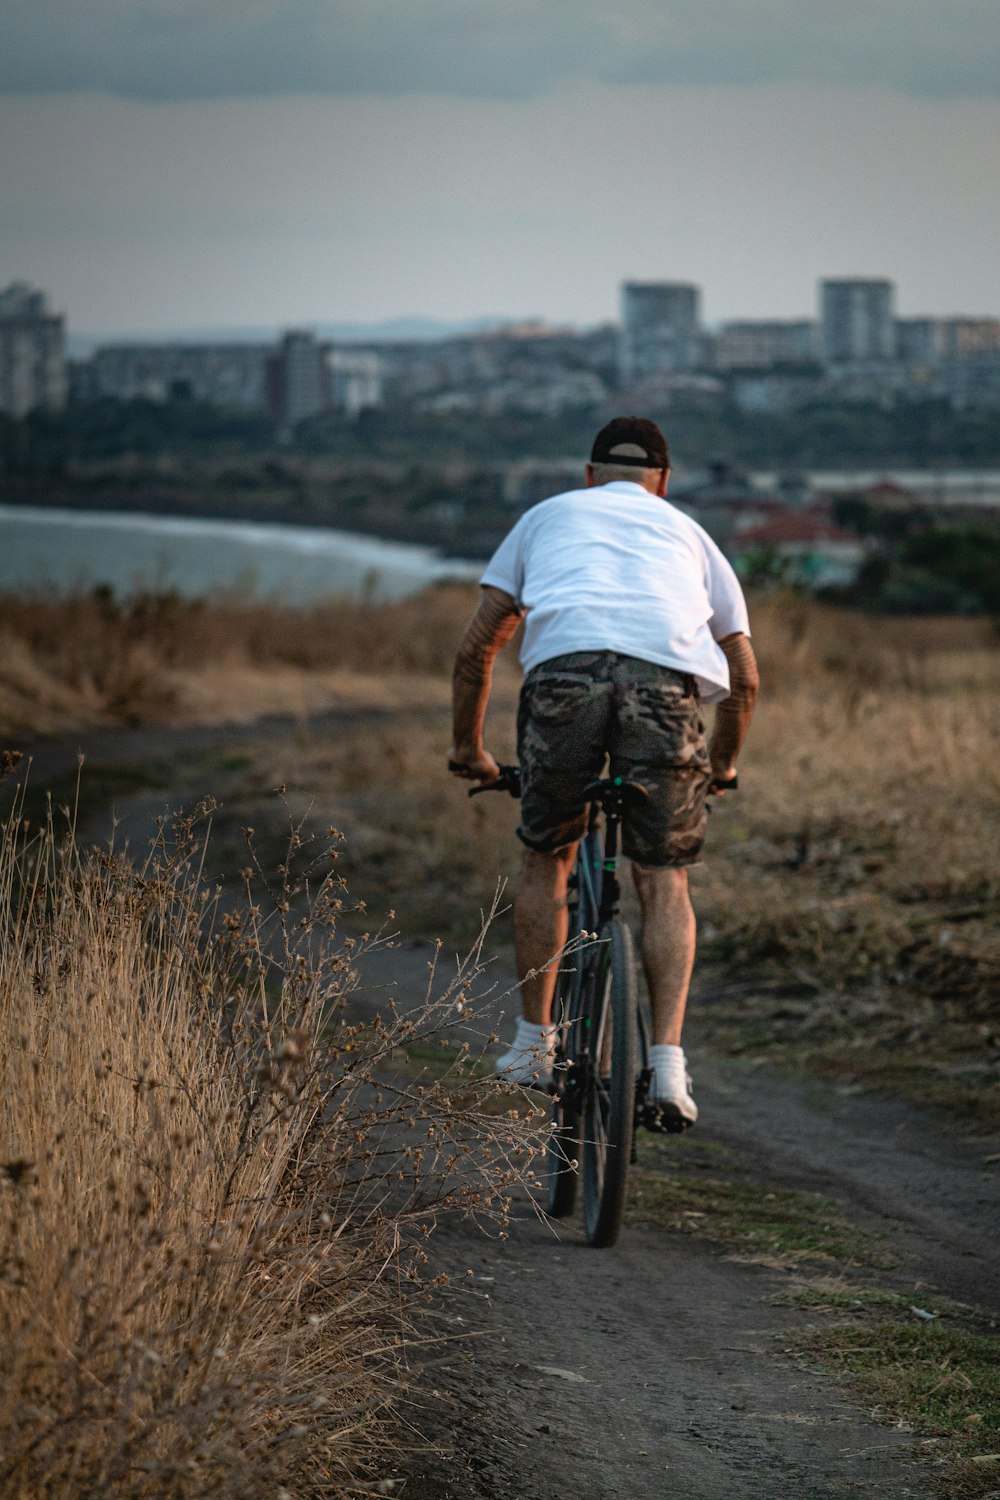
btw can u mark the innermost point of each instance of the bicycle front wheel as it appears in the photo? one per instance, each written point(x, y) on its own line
point(609, 1094)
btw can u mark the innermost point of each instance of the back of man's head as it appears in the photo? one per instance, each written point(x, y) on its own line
point(629, 448)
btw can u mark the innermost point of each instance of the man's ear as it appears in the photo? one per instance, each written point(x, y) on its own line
point(661, 488)
point(590, 476)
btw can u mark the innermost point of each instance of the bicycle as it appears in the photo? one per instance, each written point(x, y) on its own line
point(602, 1077)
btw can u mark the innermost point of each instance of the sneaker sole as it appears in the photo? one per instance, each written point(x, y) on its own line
point(671, 1121)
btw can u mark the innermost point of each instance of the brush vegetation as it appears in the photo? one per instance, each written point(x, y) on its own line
point(196, 1163)
point(215, 1187)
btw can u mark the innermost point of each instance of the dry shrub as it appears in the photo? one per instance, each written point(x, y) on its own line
point(859, 860)
point(94, 658)
point(803, 645)
point(215, 1187)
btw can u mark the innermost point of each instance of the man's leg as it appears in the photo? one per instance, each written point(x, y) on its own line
point(540, 923)
point(668, 939)
point(540, 928)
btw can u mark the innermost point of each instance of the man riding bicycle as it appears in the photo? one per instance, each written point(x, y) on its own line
point(633, 621)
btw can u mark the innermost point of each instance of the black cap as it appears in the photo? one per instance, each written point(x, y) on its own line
point(631, 441)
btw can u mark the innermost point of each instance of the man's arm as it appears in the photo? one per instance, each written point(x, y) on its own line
point(733, 714)
point(490, 629)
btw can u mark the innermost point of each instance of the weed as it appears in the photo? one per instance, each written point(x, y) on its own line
point(94, 659)
point(216, 1188)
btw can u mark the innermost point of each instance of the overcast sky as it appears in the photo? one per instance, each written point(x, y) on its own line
point(175, 163)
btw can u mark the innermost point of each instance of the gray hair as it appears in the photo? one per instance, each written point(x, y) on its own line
point(608, 473)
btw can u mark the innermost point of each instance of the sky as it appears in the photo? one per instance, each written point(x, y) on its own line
point(177, 164)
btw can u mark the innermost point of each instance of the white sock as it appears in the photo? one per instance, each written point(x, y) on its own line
point(670, 1057)
point(671, 1080)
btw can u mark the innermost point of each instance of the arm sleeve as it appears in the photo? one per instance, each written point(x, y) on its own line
point(505, 569)
point(729, 609)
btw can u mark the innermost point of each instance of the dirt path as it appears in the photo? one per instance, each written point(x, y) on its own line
point(919, 1177)
point(657, 1368)
point(651, 1370)
point(670, 1376)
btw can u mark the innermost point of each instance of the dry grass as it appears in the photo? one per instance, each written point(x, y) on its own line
point(857, 874)
point(850, 892)
point(849, 898)
point(91, 660)
point(411, 837)
point(215, 1191)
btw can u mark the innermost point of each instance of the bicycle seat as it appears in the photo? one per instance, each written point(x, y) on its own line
point(611, 789)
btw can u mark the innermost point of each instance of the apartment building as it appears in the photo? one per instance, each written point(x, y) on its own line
point(32, 353)
point(857, 321)
point(661, 328)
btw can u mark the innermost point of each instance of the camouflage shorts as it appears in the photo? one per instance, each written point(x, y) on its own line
point(580, 709)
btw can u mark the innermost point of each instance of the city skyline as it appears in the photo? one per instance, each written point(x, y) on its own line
point(858, 349)
point(408, 328)
point(169, 166)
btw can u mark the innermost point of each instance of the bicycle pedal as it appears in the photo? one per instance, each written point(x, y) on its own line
point(665, 1122)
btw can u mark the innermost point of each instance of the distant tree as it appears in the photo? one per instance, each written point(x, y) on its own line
point(966, 557)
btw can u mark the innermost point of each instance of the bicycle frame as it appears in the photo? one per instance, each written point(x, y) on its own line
point(602, 1077)
point(594, 899)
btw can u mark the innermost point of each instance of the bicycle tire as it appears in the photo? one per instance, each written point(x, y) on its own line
point(610, 1084)
point(563, 1149)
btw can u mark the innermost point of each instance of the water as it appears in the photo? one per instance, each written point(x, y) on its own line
point(68, 550)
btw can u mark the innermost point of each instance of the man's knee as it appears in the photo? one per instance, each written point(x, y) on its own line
point(546, 871)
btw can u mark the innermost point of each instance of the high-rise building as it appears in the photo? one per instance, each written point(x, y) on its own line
point(857, 321)
point(967, 338)
point(660, 327)
point(32, 353)
point(293, 379)
point(299, 378)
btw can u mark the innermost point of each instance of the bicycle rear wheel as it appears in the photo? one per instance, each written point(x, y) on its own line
point(563, 1152)
point(609, 1092)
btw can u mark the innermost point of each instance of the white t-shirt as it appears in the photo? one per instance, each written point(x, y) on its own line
point(615, 568)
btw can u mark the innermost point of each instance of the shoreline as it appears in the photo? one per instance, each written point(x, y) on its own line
point(65, 550)
point(452, 542)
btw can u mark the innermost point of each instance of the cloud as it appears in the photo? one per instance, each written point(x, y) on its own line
point(286, 211)
point(202, 49)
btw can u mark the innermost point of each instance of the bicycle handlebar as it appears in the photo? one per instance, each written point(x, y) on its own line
point(732, 785)
point(509, 780)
